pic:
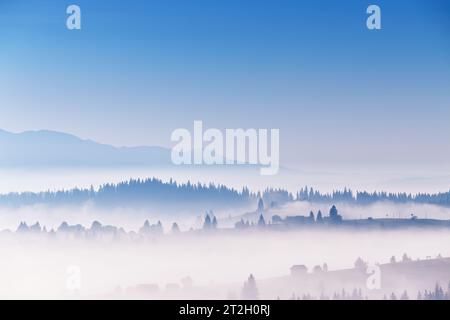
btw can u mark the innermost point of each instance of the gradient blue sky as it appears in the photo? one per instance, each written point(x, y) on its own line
point(139, 69)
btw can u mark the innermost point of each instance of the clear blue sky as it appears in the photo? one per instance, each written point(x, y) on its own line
point(139, 69)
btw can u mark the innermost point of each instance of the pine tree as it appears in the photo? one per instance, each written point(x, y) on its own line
point(360, 264)
point(319, 218)
point(333, 212)
point(249, 290)
point(311, 216)
point(207, 223)
point(159, 228)
point(260, 209)
point(175, 228)
point(404, 296)
point(145, 228)
point(334, 215)
point(438, 292)
point(261, 221)
point(405, 258)
point(214, 223)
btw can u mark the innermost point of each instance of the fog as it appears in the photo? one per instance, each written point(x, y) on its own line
point(376, 210)
point(130, 219)
point(326, 178)
point(216, 262)
point(133, 219)
point(197, 264)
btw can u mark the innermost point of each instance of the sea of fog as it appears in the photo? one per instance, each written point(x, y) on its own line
point(407, 179)
point(43, 268)
point(40, 268)
point(133, 218)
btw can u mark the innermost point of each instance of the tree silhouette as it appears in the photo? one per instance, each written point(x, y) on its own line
point(360, 264)
point(334, 215)
point(261, 221)
point(152, 190)
point(260, 208)
point(404, 296)
point(311, 217)
point(319, 218)
point(249, 290)
point(207, 225)
point(175, 228)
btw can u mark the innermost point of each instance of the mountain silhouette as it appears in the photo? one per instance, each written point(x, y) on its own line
point(51, 148)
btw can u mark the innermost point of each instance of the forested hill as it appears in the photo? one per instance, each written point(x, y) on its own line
point(139, 192)
point(156, 193)
point(363, 197)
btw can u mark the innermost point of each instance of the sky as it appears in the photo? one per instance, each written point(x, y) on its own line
point(137, 70)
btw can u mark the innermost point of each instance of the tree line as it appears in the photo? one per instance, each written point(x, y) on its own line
point(156, 191)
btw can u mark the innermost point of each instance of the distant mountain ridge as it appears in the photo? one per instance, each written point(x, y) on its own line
point(52, 148)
